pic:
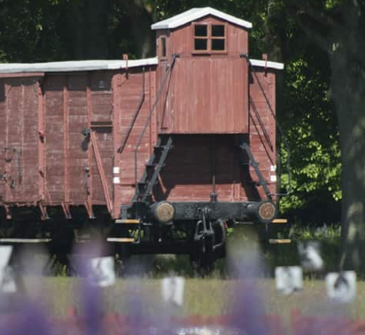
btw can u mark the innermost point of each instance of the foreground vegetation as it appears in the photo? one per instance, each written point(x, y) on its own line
point(205, 297)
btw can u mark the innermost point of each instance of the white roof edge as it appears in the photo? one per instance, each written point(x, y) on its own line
point(271, 65)
point(73, 66)
point(195, 14)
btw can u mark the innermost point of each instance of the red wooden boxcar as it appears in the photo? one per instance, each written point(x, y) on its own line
point(184, 142)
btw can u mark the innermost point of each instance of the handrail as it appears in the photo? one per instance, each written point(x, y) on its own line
point(141, 100)
point(167, 74)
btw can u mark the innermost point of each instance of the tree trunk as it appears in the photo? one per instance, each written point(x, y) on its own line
point(141, 28)
point(348, 93)
point(88, 29)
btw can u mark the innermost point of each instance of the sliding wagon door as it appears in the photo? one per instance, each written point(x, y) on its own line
point(19, 140)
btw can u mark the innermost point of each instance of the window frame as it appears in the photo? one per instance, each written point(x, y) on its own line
point(209, 38)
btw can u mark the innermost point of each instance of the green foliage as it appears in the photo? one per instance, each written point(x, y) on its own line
point(312, 132)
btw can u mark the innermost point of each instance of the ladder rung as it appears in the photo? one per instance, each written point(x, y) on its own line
point(25, 240)
point(279, 241)
point(279, 221)
point(128, 221)
point(121, 239)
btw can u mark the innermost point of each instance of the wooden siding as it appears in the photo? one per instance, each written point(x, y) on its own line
point(18, 140)
point(60, 166)
point(128, 89)
point(207, 93)
point(44, 153)
point(180, 40)
point(74, 103)
point(262, 123)
point(187, 175)
point(206, 96)
point(3, 126)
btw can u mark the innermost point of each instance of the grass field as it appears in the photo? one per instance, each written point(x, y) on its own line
point(206, 297)
point(212, 296)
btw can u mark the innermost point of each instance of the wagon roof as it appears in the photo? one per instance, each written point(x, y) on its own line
point(71, 66)
point(268, 64)
point(94, 65)
point(195, 14)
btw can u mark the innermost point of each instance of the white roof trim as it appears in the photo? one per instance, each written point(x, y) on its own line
point(195, 14)
point(72, 66)
point(271, 65)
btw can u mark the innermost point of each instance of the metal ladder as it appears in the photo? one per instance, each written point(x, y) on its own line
point(255, 165)
point(153, 168)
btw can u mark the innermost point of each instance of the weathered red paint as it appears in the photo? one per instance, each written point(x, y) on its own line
point(66, 129)
point(206, 91)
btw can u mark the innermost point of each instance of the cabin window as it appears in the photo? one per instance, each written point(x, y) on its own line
point(201, 37)
point(209, 38)
point(218, 37)
point(163, 47)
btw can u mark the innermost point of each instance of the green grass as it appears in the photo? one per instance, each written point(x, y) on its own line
point(205, 297)
point(214, 295)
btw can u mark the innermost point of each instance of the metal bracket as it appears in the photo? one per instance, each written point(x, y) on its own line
point(44, 214)
point(86, 132)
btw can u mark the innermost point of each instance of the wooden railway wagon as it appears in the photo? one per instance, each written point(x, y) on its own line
point(164, 152)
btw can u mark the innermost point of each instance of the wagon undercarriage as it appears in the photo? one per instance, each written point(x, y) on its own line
point(197, 229)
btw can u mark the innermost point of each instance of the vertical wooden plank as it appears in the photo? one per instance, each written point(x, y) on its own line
point(15, 138)
point(78, 143)
point(90, 157)
point(7, 165)
point(3, 125)
point(116, 87)
point(102, 137)
point(41, 143)
point(66, 140)
point(240, 96)
point(54, 145)
point(29, 155)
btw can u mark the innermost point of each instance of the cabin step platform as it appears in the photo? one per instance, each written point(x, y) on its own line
point(25, 240)
point(128, 221)
point(121, 239)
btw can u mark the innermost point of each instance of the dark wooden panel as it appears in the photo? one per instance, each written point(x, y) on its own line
point(19, 142)
point(3, 126)
point(187, 175)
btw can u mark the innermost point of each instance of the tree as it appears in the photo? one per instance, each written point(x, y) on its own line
point(55, 30)
point(337, 27)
